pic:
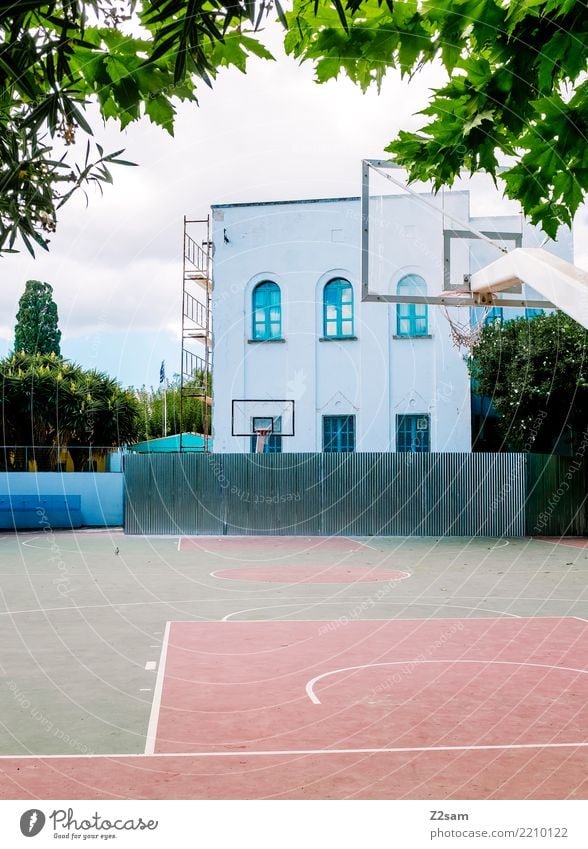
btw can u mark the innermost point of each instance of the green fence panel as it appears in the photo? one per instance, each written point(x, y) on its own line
point(557, 502)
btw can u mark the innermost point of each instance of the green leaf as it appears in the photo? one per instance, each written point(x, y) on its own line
point(478, 119)
point(252, 45)
point(327, 69)
point(281, 15)
point(161, 112)
point(117, 69)
point(110, 108)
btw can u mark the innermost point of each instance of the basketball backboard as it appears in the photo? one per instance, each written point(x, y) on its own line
point(251, 416)
point(452, 234)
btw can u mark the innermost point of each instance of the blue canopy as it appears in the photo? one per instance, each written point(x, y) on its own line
point(190, 442)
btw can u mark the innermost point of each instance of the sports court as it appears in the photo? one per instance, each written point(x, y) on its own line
point(292, 667)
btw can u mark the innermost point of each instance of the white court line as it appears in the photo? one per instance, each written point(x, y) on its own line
point(115, 604)
point(242, 753)
point(29, 544)
point(360, 542)
point(179, 543)
point(227, 617)
point(151, 665)
point(307, 601)
point(403, 576)
point(249, 537)
point(154, 537)
point(504, 544)
point(580, 618)
point(316, 701)
point(156, 705)
point(378, 619)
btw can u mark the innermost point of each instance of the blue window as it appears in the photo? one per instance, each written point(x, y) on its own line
point(338, 434)
point(338, 309)
point(267, 311)
point(412, 319)
point(273, 443)
point(531, 313)
point(494, 314)
point(412, 434)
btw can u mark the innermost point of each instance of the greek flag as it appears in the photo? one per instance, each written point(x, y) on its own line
point(162, 372)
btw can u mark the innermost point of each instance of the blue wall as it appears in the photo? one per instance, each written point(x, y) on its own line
point(101, 492)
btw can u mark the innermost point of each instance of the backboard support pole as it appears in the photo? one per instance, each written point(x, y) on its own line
point(563, 284)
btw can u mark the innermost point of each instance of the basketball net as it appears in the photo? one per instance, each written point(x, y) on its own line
point(466, 332)
point(262, 435)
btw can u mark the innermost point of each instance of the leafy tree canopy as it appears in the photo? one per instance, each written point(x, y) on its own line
point(132, 57)
point(516, 86)
point(193, 410)
point(536, 374)
point(37, 328)
point(517, 89)
point(46, 400)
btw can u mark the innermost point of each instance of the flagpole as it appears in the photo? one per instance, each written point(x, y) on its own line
point(165, 407)
point(163, 384)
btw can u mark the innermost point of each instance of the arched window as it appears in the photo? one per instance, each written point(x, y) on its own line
point(338, 309)
point(267, 311)
point(412, 319)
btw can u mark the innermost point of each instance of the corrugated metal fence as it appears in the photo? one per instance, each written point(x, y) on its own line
point(557, 500)
point(324, 494)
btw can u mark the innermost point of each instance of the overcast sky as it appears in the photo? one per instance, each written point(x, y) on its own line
point(115, 265)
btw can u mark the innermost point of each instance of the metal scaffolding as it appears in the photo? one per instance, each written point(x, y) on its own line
point(196, 371)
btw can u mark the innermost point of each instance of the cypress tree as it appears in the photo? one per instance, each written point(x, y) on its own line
point(37, 330)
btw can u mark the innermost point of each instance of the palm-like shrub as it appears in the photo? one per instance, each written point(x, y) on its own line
point(48, 401)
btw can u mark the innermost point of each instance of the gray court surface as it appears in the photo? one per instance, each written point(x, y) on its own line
point(83, 614)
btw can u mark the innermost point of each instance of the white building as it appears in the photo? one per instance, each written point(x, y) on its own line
point(289, 324)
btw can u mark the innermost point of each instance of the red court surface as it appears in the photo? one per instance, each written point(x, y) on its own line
point(263, 548)
point(474, 774)
point(572, 542)
point(423, 709)
point(283, 686)
point(311, 574)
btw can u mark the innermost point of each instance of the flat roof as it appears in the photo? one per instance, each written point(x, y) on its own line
point(280, 202)
point(325, 200)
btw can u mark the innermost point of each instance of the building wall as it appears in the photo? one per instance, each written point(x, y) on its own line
point(375, 376)
point(101, 494)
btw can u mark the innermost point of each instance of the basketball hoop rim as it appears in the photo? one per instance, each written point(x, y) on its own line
point(468, 299)
point(465, 334)
point(263, 431)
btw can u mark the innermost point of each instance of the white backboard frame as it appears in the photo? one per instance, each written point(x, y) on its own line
point(452, 296)
point(244, 412)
